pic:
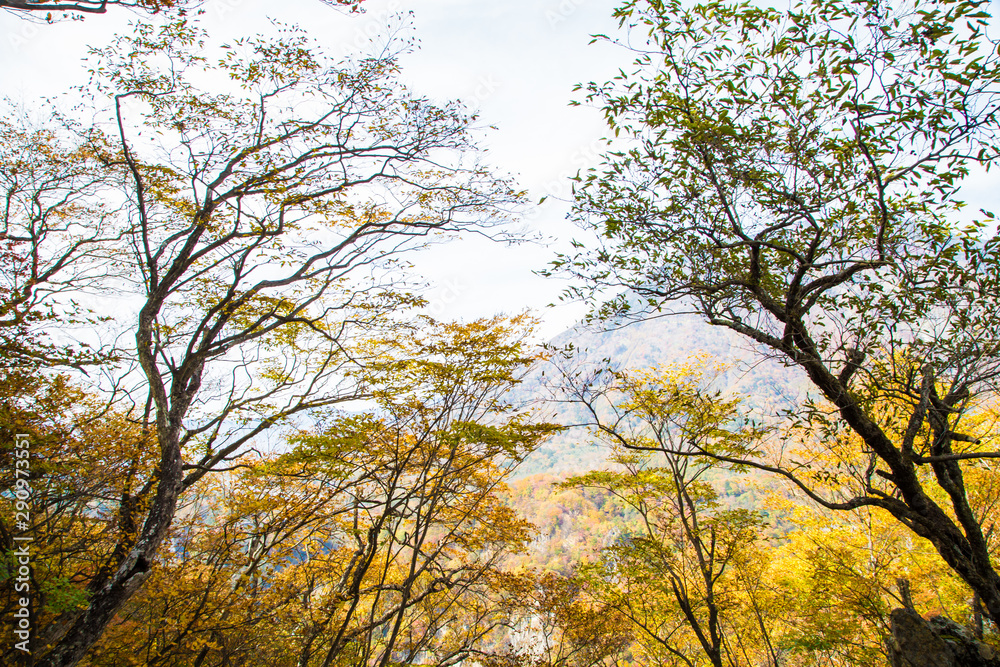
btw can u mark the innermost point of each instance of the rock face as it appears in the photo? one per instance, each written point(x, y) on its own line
point(939, 642)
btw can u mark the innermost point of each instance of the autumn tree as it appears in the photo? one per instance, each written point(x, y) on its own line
point(318, 543)
point(56, 236)
point(430, 532)
point(376, 539)
point(843, 572)
point(553, 621)
point(255, 234)
point(75, 8)
point(838, 574)
point(687, 579)
point(87, 460)
point(794, 176)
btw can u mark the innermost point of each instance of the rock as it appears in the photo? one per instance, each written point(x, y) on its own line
point(918, 645)
point(939, 642)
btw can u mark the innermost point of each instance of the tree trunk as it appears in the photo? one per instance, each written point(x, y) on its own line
point(104, 604)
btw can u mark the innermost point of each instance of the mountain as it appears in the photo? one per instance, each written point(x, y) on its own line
point(768, 384)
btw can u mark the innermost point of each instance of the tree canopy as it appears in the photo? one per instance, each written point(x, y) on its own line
point(245, 237)
point(795, 176)
point(75, 8)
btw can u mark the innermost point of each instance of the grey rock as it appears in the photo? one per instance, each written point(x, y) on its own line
point(918, 645)
point(938, 642)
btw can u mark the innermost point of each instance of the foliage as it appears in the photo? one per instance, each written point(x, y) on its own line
point(374, 535)
point(245, 237)
point(793, 176)
point(817, 589)
point(573, 524)
point(688, 580)
point(56, 231)
point(853, 561)
point(75, 8)
point(89, 464)
point(554, 623)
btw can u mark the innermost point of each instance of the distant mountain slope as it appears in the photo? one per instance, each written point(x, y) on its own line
point(768, 384)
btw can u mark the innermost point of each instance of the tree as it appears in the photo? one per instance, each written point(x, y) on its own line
point(56, 237)
point(553, 622)
point(684, 579)
point(77, 7)
point(838, 574)
point(794, 176)
point(83, 6)
point(261, 224)
point(376, 539)
point(842, 569)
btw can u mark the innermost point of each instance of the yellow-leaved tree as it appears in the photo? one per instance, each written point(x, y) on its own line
point(844, 572)
point(690, 580)
point(235, 243)
point(377, 538)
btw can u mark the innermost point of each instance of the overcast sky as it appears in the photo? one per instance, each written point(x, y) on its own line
point(515, 60)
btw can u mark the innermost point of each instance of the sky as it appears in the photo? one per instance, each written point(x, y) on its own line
point(515, 60)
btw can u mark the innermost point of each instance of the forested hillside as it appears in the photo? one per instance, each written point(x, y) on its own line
point(769, 386)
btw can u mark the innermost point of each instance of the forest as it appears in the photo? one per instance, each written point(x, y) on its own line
point(235, 432)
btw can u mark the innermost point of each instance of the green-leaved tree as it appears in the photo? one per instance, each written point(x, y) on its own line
point(794, 176)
